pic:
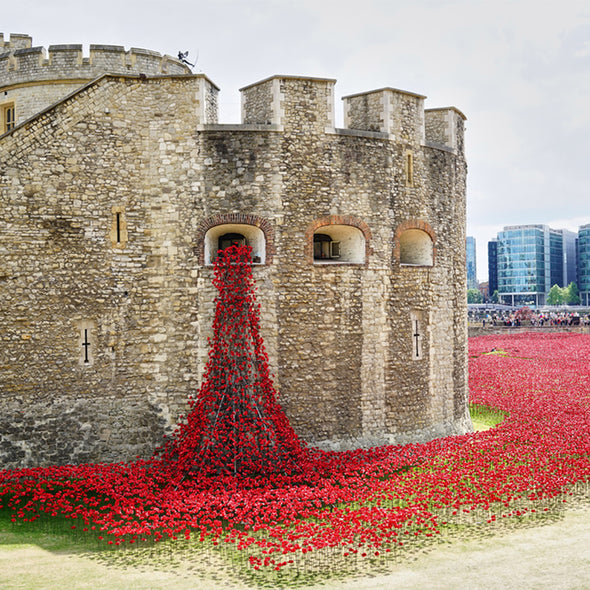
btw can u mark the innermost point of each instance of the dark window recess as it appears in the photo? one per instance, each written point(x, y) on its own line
point(324, 248)
point(9, 119)
point(227, 240)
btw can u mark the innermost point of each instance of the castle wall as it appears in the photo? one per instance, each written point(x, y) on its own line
point(34, 78)
point(31, 101)
point(107, 199)
point(343, 335)
point(62, 271)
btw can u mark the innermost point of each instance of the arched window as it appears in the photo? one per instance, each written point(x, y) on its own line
point(338, 243)
point(223, 236)
point(415, 248)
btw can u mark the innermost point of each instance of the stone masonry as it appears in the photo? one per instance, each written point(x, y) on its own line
point(117, 187)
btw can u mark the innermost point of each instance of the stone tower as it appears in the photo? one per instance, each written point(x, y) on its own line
point(117, 189)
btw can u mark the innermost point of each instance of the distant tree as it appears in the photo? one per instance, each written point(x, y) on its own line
point(572, 294)
point(474, 296)
point(495, 296)
point(556, 296)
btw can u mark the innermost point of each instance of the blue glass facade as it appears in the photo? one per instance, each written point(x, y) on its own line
point(471, 263)
point(533, 258)
point(570, 256)
point(524, 264)
point(525, 261)
point(584, 263)
point(556, 258)
point(493, 266)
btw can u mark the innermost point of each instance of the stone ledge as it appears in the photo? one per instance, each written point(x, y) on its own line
point(239, 127)
point(361, 133)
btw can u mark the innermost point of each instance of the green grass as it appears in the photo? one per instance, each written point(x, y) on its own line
point(485, 417)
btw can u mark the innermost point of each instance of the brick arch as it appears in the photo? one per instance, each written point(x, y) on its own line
point(412, 224)
point(336, 220)
point(240, 218)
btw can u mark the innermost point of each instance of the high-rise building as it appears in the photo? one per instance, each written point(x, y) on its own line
point(524, 272)
point(530, 260)
point(555, 258)
point(471, 263)
point(492, 266)
point(570, 256)
point(584, 263)
point(525, 261)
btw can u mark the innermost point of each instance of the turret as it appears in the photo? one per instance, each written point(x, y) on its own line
point(32, 79)
point(21, 63)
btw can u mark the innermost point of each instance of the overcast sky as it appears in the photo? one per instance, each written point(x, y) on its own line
point(519, 70)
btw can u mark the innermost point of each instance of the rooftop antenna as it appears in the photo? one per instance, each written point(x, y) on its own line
point(182, 56)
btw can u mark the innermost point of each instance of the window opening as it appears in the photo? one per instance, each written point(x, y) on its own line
point(86, 344)
point(220, 237)
point(86, 331)
point(118, 232)
point(8, 118)
point(324, 247)
point(417, 335)
point(227, 240)
point(232, 239)
point(409, 169)
point(416, 248)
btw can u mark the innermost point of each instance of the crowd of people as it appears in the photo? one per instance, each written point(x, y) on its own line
point(528, 317)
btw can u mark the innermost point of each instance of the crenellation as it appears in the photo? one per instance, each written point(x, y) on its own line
point(365, 112)
point(290, 101)
point(109, 58)
point(259, 103)
point(387, 110)
point(16, 41)
point(22, 64)
point(445, 127)
point(64, 57)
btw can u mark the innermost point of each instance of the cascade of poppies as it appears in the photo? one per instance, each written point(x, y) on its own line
point(235, 426)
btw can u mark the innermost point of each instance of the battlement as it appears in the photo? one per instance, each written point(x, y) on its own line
point(388, 110)
point(20, 63)
point(287, 101)
point(308, 103)
point(445, 127)
point(16, 41)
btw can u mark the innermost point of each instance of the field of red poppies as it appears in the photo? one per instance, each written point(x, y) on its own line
point(353, 505)
point(235, 479)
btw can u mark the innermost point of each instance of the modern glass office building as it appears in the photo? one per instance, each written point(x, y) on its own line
point(524, 264)
point(471, 263)
point(584, 263)
point(531, 259)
